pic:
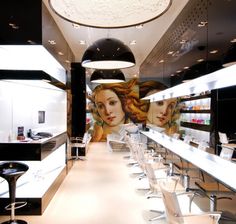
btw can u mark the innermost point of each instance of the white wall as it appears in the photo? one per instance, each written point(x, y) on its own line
point(20, 102)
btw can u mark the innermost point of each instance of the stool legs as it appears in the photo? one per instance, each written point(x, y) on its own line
point(11, 171)
point(12, 195)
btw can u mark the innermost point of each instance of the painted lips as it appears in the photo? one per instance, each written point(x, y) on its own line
point(161, 118)
point(111, 118)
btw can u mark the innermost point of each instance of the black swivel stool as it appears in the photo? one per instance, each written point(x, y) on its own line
point(11, 171)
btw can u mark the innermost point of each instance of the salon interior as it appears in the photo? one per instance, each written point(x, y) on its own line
point(117, 111)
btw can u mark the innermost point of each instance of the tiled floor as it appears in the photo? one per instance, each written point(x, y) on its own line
point(100, 190)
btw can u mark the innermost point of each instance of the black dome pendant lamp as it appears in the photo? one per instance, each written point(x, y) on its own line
point(107, 76)
point(108, 53)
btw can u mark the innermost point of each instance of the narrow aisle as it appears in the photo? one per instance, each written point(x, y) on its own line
point(96, 191)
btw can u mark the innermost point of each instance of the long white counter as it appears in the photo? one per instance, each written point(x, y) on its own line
point(220, 169)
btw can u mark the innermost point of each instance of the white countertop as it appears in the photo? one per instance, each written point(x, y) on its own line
point(221, 169)
point(31, 141)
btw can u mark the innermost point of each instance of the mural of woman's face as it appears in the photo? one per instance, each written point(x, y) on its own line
point(160, 112)
point(109, 107)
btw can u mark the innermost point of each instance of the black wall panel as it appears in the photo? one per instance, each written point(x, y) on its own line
point(78, 90)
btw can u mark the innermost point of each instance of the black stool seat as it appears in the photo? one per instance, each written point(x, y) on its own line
point(11, 171)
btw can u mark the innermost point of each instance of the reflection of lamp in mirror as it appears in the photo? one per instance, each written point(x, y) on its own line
point(107, 76)
point(108, 53)
point(230, 58)
point(109, 14)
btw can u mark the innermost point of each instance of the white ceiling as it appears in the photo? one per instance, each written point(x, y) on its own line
point(146, 38)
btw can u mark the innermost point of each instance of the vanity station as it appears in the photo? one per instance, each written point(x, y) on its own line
point(46, 159)
point(220, 169)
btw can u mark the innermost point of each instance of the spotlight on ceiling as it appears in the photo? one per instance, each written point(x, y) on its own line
point(109, 14)
point(107, 76)
point(108, 53)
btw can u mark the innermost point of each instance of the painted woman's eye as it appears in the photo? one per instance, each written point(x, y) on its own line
point(99, 106)
point(160, 103)
point(112, 102)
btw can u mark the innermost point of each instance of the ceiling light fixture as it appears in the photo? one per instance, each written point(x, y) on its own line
point(213, 51)
point(200, 60)
point(133, 42)
point(233, 40)
point(140, 26)
point(76, 26)
point(107, 76)
point(52, 42)
point(109, 14)
point(202, 24)
point(82, 42)
point(108, 53)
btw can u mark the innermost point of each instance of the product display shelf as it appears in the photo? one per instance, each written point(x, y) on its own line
point(195, 119)
point(200, 127)
point(208, 95)
point(196, 111)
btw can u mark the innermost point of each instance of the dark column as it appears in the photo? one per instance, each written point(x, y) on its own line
point(78, 90)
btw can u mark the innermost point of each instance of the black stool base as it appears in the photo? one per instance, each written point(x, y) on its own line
point(16, 221)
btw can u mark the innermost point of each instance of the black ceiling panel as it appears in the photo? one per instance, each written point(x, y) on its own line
point(186, 41)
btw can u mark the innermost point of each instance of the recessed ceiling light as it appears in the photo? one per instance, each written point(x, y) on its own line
point(76, 26)
point(200, 60)
point(52, 42)
point(170, 52)
point(202, 24)
point(213, 51)
point(133, 42)
point(172, 75)
point(135, 75)
point(82, 42)
point(140, 26)
point(178, 71)
point(183, 41)
point(233, 40)
point(30, 42)
point(46, 80)
point(13, 26)
point(186, 67)
point(161, 61)
point(60, 53)
point(67, 61)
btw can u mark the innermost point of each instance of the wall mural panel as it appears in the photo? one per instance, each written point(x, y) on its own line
point(120, 103)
